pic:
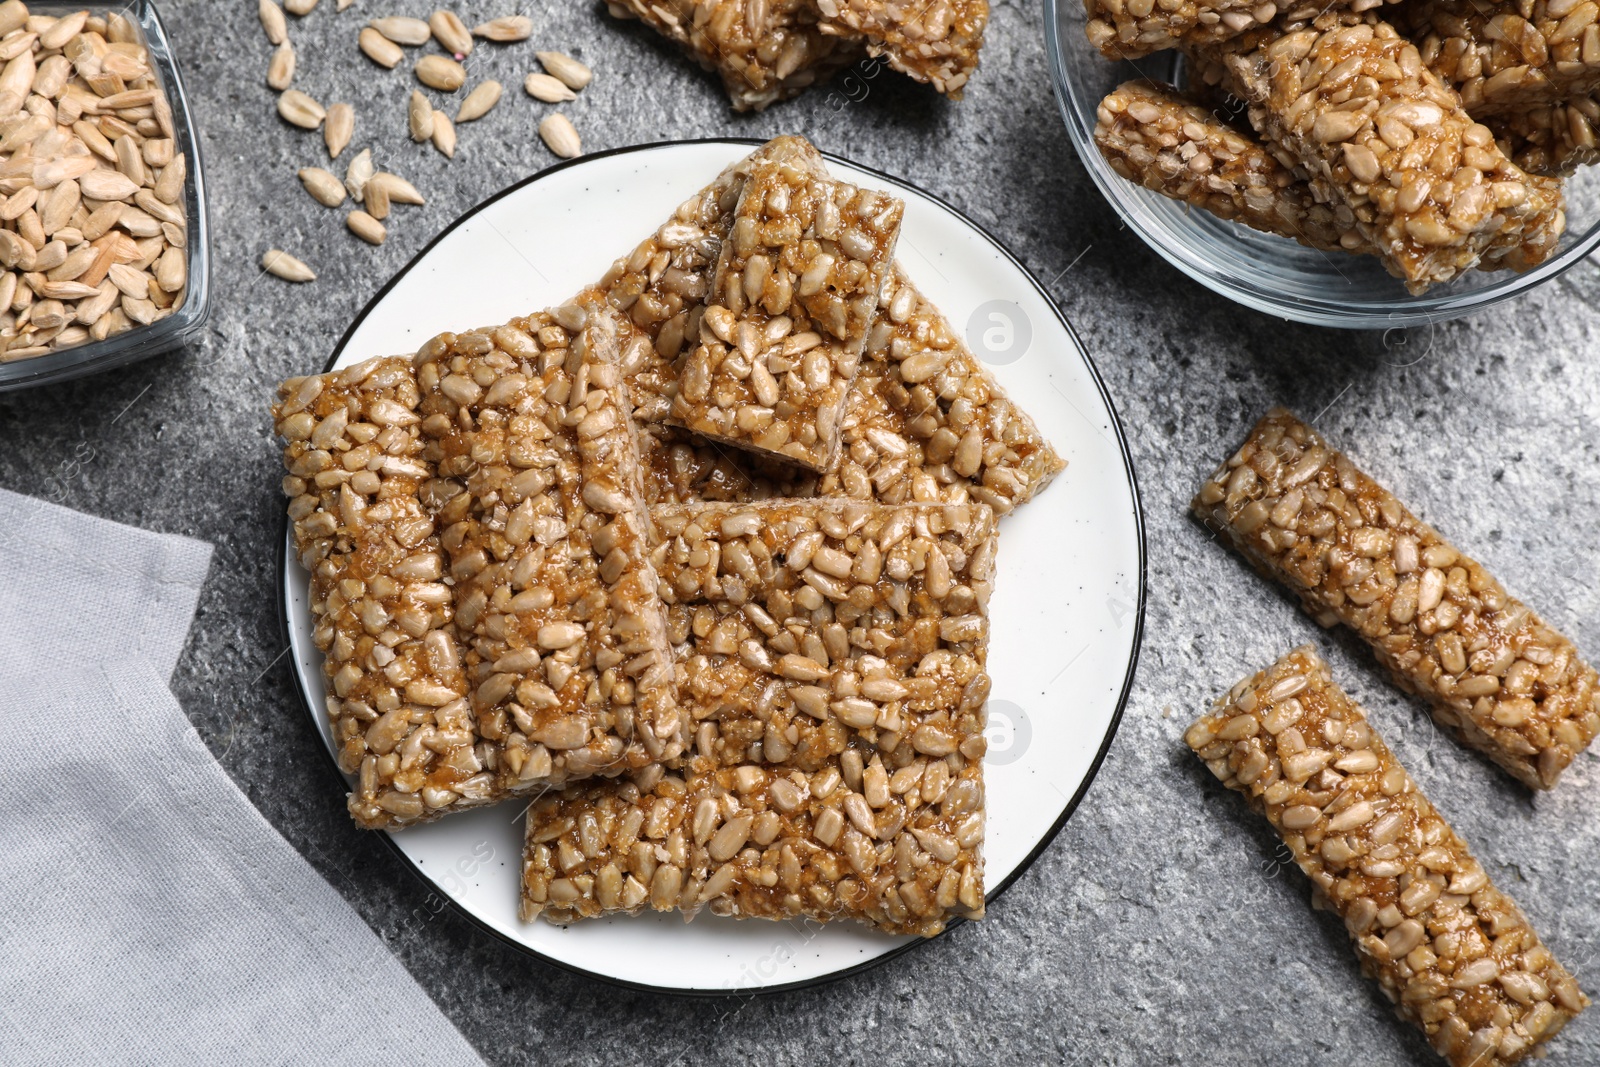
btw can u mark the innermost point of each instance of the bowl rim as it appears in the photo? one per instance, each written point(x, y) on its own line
point(141, 342)
point(1403, 311)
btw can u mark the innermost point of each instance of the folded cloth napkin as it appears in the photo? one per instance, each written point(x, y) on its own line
point(76, 588)
point(148, 913)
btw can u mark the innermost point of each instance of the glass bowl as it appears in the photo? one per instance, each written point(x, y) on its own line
point(186, 322)
point(1262, 271)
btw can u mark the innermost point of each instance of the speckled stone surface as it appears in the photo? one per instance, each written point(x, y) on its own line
point(1160, 927)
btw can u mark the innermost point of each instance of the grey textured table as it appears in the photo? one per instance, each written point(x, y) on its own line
point(1161, 926)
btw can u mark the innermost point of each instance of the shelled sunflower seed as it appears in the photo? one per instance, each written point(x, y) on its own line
point(560, 136)
point(441, 73)
point(280, 71)
point(479, 102)
point(281, 264)
point(339, 127)
point(403, 30)
point(549, 89)
point(451, 33)
point(358, 173)
point(272, 21)
point(92, 219)
point(376, 199)
point(379, 48)
point(324, 187)
point(506, 29)
point(419, 117)
point(299, 109)
point(299, 8)
point(397, 188)
point(444, 135)
point(571, 73)
point(366, 227)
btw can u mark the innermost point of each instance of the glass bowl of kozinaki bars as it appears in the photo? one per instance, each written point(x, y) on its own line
point(1392, 166)
point(103, 236)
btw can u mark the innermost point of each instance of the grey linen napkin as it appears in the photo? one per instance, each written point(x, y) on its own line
point(76, 588)
point(148, 913)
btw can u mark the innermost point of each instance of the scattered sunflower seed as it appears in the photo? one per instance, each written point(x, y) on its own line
point(573, 75)
point(444, 134)
point(340, 127)
point(376, 199)
point(282, 265)
point(399, 190)
point(344, 4)
point(358, 173)
point(298, 109)
point(560, 136)
point(479, 102)
point(441, 73)
point(550, 90)
point(300, 8)
point(379, 48)
point(280, 71)
point(328, 190)
point(451, 33)
point(272, 21)
point(420, 116)
point(403, 30)
point(505, 29)
point(366, 227)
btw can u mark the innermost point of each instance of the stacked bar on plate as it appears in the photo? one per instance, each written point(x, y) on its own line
point(699, 561)
point(796, 288)
point(833, 655)
point(1430, 142)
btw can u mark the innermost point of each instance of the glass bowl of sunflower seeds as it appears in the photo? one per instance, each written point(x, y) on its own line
point(1365, 169)
point(103, 231)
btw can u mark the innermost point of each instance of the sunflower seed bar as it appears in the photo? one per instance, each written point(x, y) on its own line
point(1494, 673)
point(796, 289)
point(661, 286)
point(1552, 140)
point(1128, 29)
point(926, 420)
point(357, 462)
point(683, 468)
point(1152, 135)
point(933, 41)
point(834, 664)
point(1427, 184)
point(1453, 953)
point(764, 50)
point(1157, 138)
point(899, 438)
point(540, 509)
point(1508, 58)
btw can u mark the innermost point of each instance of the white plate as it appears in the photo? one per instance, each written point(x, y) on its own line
point(1067, 609)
